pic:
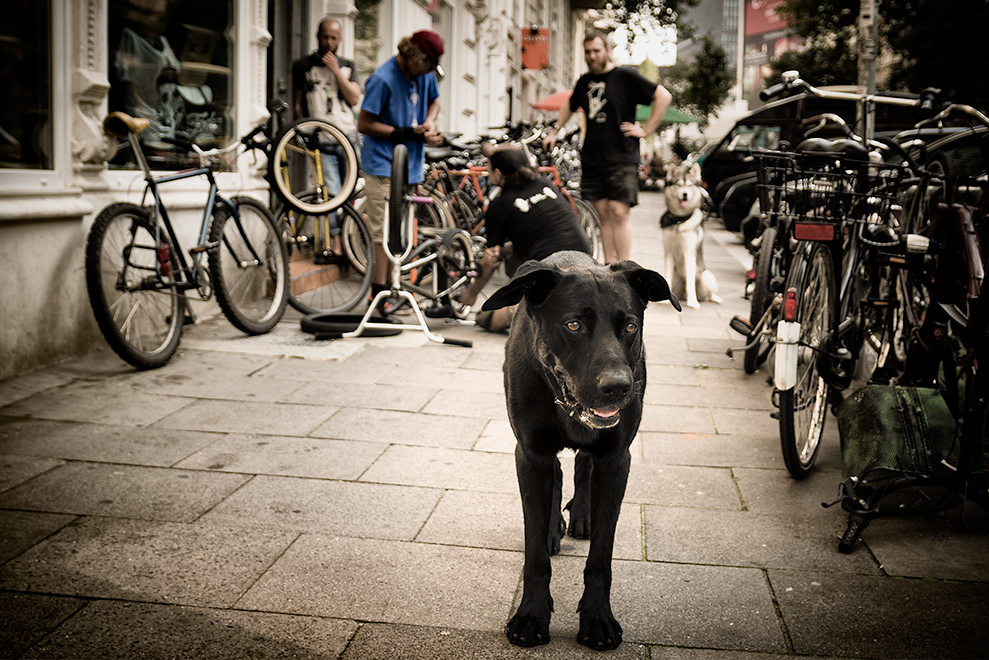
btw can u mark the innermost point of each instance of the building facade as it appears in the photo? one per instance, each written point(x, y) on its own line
point(204, 69)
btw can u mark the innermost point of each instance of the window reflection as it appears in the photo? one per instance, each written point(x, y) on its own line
point(170, 63)
point(25, 78)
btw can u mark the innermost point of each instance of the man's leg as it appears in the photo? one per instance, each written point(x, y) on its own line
point(616, 229)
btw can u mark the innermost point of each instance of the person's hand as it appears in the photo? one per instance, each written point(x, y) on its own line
point(549, 140)
point(632, 130)
point(330, 62)
point(492, 256)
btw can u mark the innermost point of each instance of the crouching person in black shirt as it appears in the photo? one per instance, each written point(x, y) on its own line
point(531, 214)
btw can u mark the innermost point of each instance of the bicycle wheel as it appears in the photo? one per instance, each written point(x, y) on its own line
point(398, 203)
point(296, 169)
point(803, 407)
point(331, 288)
point(591, 223)
point(137, 311)
point(248, 262)
point(456, 269)
point(762, 296)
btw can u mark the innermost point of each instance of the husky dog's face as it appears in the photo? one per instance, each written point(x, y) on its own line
point(683, 192)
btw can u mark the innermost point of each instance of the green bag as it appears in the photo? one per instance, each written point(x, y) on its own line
point(888, 432)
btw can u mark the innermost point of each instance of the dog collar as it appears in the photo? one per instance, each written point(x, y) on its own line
point(668, 219)
point(577, 411)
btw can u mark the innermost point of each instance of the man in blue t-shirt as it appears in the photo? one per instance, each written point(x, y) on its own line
point(401, 103)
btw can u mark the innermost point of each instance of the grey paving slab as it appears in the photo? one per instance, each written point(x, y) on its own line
point(287, 456)
point(667, 374)
point(441, 467)
point(711, 450)
point(676, 419)
point(387, 355)
point(27, 618)
point(905, 545)
point(363, 395)
point(232, 386)
point(123, 490)
point(775, 492)
point(23, 529)
point(390, 581)
point(400, 427)
point(494, 520)
point(144, 561)
point(328, 507)
point(676, 605)
point(743, 538)
point(98, 403)
point(680, 485)
point(485, 405)
point(678, 653)
point(108, 629)
point(376, 641)
point(467, 381)
point(882, 617)
point(745, 422)
point(16, 469)
point(137, 445)
point(23, 386)
point(695, 395)
point(248, 417)
point(332, 372)
point(490, 358)
point(497, 436)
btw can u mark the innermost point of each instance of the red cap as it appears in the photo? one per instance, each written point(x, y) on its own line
point(430, 44)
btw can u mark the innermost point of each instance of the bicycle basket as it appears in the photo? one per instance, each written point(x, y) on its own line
point(892, 437)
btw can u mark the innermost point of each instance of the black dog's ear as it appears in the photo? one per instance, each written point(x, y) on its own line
point(533, 280)
point(648, 284)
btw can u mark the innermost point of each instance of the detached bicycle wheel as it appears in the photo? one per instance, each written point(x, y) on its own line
point(804, 407)
point(398, 204)
point(248, 262)
point(300, 166)
point(136, 309)
point(320, 285)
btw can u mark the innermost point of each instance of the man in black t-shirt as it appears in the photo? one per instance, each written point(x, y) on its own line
point(532, 214)
point(608, 95)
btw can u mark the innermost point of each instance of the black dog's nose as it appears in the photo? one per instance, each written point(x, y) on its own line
point(615, 384)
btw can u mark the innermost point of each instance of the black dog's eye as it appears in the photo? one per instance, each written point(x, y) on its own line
point(573, 326)
point(631, 327)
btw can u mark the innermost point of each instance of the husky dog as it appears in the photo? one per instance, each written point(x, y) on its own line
point(683, 237)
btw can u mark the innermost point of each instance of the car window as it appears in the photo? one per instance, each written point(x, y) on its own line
point(964, 154)
point(755, 137)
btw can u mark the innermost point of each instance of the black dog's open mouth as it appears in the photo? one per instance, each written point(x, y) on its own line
point(593, 418)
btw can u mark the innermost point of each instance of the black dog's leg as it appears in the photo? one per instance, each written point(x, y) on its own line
point(598, 627)
point(557, 526)
point(580, 505)
point(530, 625)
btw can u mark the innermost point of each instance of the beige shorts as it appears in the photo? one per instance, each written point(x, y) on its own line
point(376, 190)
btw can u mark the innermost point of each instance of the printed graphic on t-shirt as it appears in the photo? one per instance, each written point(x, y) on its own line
point(324, 99)
point(524, 205)
point(596, 102)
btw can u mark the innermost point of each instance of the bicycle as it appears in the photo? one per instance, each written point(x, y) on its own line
point(137, 273)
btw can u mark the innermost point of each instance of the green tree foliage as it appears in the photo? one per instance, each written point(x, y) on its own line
point(700, 87)
point(932, 43)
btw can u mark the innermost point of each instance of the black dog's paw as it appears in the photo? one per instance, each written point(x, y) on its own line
point(526, 630)
point(557, 528)
point(580, 521)
point(601, 633)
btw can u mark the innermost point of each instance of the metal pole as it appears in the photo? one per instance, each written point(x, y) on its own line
point(868, 54)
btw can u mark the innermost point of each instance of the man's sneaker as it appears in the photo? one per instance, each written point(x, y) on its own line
point(392, 304)
point(444, 311)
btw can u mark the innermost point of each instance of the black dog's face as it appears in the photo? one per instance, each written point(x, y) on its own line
point(593, 351)
point(585, 325)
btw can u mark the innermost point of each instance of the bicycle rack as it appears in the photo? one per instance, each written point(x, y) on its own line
point(396, 284)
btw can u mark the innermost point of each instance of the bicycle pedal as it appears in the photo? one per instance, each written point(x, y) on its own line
point(741, 325)
point(199, 249)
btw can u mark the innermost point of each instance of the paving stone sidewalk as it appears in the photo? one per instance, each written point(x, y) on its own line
point(281, 497)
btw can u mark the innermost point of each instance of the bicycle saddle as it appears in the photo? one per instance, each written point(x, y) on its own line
point(120, 124)
point(842, 147)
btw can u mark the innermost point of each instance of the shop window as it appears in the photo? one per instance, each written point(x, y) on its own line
point(26, 81)
point(171, 63)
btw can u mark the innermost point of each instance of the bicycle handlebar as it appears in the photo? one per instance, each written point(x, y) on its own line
point(793, 81)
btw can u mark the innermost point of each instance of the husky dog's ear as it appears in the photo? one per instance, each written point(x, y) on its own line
point(533, 281)
point(695, 172)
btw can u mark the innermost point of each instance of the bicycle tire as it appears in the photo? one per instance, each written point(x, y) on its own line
point(333, 326)
point(456, 260)
point(140, 319)
point(761, 297)
point(591, 223)
point(292, 169)
point(248, 263)
point(398, 203)
point(803, 408)
point(333, 288)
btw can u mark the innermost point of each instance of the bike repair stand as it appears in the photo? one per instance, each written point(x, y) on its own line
point(396, 289)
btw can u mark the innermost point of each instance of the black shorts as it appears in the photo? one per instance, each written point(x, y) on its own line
point(615, 181)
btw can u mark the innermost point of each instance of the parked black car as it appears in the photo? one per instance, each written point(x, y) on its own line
point(728, 169)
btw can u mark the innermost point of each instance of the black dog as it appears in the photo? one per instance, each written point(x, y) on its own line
point(574, 377)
